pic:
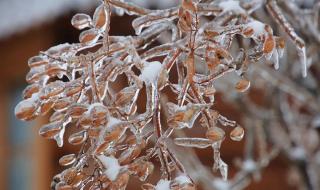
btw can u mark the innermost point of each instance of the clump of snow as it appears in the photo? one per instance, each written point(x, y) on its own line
point(257, 26)
point(112, 166)
point(163, 185)
point(249, 165)
point(231, 5)
point(220, 184)
point(298, 153)
point(150, 72)
point(182, 179)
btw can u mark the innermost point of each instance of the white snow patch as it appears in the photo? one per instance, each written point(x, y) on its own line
point(220, 184)
point(150, 72)
point(231, 5)
point(112, 166)
point(257, 26)
point(182, 179)
point(163, 185)
point(298, 153)
point(249, 165)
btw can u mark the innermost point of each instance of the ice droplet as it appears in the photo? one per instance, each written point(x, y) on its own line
point(81, 21)
point(215, 134)
point(89, 36)
point(237, 133)
point(78, 138)
point(26, 108)
point(243, 85)
point(67, 159)
point(100, 17)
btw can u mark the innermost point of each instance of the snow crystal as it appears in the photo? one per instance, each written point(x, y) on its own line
point(112, 166)
point(163, 185)
point(231, 5)
point(150, 71)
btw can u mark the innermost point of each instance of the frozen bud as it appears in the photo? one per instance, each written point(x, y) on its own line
point(184, 116)
point(81, 21)
point(78, 138)
point(52, 89)
point(215, 134)
point(85, 121)
point(37, 61)
point(100, 17)
point(26, 109)
point(98, 113)
point(141, 168)
point(243, 85)
point(89, 37)
point(51, 129)
point(54, 69)
point(76, 110)
point(73, 87)
point(46, 106)
point(30, 90)
point(125, 96)
point(62, 104)
point(130, 154)
point(114, 133)
point(67, 159)
point(237, 133)
point(57, 116)
point(94, 132)
point(35, 74)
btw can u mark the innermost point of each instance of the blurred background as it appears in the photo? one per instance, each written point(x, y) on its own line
point(28, 161)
